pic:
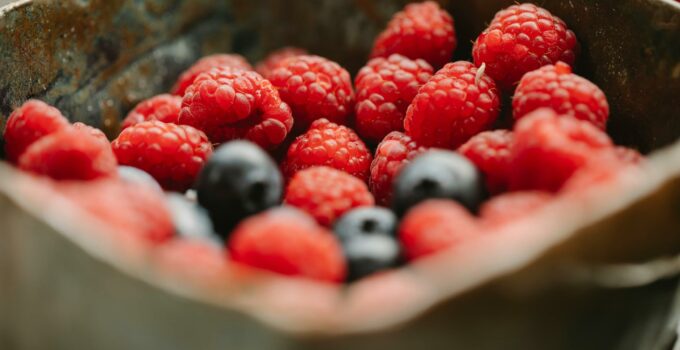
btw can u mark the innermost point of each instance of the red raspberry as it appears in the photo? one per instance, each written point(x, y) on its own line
point(603, 170)
point(520, 39)
point(556, 87)
point(315, 88)
point(457, 103)
point(28, 123)
point(421, 30)
point(393, 153)
point(228, 104)
point(163, 108)
point(326, 193)
point(289, 242)
point(435, 225)
point(549, 148)
point(490, 152)
point(628, 155)
point(329, 144)
point(130, 208)
point(193, 260)
point(385, 88)
point(206, 64)
point(172, 154)
point(92, 131)
point(70, 154)
point(512, 206)
point(274, 59)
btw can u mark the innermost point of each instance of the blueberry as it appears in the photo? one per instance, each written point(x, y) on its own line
point(190, 219)
point(438, 174)
point(238, 180)
point(137, 176)
point(367, 236)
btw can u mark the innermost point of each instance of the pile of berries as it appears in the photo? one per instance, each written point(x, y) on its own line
point(294, 168)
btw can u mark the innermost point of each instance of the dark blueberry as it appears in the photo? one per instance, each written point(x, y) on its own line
point(367, 236)
point(238, 180)
point(438, 174)
point(137, 176)
point(190, 219)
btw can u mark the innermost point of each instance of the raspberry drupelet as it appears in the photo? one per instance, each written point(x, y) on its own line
point(206, 64)
point(275, 58)
point(490, 152)
point(164, 108)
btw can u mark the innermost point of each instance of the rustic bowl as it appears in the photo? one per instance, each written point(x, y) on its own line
point(594, 270)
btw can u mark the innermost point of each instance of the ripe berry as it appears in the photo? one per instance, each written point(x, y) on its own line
point(458, 102)
point(490, 152)
point(164, 108)
point(434, 226)
point(549, 148)
point(395, 151)
point(189, 219)
point(329, 144)
point(28, 123)
point(70, 154)
point(628, 155)
point(421, 30)
point(512, 206)
point(235, 104)
point(556, 87)
point(385, 88)
point(172, 154)
point(438, 174)
point(238, 180)
point(326, 193)
point(275, 58)
point(368, 239)
point(521, 39)
point(92, 131)
point(314, 87)
point(289, 242)
point(207, 63)
point(194, 261)
point(137, 176)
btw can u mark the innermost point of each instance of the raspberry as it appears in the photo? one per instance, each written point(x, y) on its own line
point(274, 59)
point(228, 104)
point(329, 144)
point(129, 208)
point(490, 152)
point(315, 88)
point(458, 102)
point(435, 225)
point(549, 148)
point(605, 169)
point(385, 88)
point(172, 154)
point(206, 64)
point(28, 123)
point(393, 153)
point(556, 87)
point(628, 155)
point(289, 242)
point(326, 193)
point(421, 30)
point(512, 206)
point(520, 39)
point(70, 154)
point(92, 131)
point(163, 108)
point(193, 260)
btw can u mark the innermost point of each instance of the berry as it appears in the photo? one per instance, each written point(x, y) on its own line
point(385, 88)
point(70, 154)
point(28, 123)
point(512, 206)
point(328, 144)
point(628, 155)
point(172, 154)
point(205, 64)
point(421, 30)
point(164, 108)
point(395, 151)
point(239, 180)
point(289, 242)
point(138, 176)
point(458, 102)
point(326, 193)
point(556, 87)
point(438, 174)
point(604, 169)
point(435, 225)
point(130, 209)
point(228, 105)
point(189, 219)
point(549, 148)
point(314, 87)
point(368, 239)
point(521, 39)
point(194, 261)
point(92, 131)
point(490, 152)
point(274, 59)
